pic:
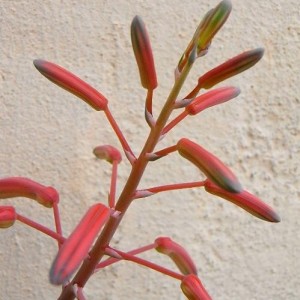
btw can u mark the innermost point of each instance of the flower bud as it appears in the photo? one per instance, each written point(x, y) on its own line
point(71, 83)
point(177, 253)
point(230, 68)
point(8, 216)
point(212, 23)
point(247, 201)
point(143, 53)
point(212, 98)
point(193, 288)
point(209, 164)
point(108, 152)
point(77, 245)
point(23, 187)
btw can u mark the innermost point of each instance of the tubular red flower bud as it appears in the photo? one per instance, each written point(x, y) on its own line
point(71, 83)
point(143, 53)
point(109, 153)
point(230, 68)
point(8, 216)
point(193, 288)
point(247, 201)
point(23, 187)
point(212, 98)
point(212, 23)
point(76, 247)
point(177, 253)
point(209, 164)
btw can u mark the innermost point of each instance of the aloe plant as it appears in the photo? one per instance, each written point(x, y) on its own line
point(81, 254)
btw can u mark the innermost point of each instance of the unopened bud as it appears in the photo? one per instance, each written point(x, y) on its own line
point(108, 152)
point(23, 187)
point(247, 201)
point(8, 216)
point(77, 245)
point(71, 83)
point(177, 253)
point(193, 288)
point(209, 164)
point(143, 53)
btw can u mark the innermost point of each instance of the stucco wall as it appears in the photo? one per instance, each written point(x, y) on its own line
point(48, 135)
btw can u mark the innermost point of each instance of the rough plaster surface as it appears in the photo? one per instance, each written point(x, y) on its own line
point(48, 135)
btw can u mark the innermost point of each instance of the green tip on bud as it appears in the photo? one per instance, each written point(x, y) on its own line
point(143, 53)
point(193, 288)
point(209, 164)
point(212, 22)
point(12, 187)
point(71, 83)
point(247, 201)
point(230, 68)
point(8, 216)
point(177, 253)
point(108, 153)
point(76, 246)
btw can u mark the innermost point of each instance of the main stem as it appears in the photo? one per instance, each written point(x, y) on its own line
point(125, 199)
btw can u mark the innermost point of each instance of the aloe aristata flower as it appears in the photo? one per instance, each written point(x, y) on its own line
point(212, 98)
point(77, 245)
point(143, 53)
point(209, 164)
point(231, 68)
point(177, 253)
point(23, 187)
point(245, 200)
point(8, 216)
point(193, 288)
point(71, 83)
point(108, 152)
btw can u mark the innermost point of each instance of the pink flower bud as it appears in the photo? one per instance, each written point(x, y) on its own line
point(23, 187)
point(230, 68)
point(209, 164)
point(193, 288)
point(177, 253)
point(143, 53)
point(108, 152)
point(212, 23)
point(212, 98)
point(247, 201)
point(77, 245)
point(71, 83)
point(8, 216)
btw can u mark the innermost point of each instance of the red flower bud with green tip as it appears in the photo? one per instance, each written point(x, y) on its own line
point(247, 201)
point(212, 98)
point(71, 83)
point(143, 53)
point(177, 253)
point(109, 153)
point(209, 164)
point(77, 245)
point(212, 23)
point(231, 68)
point(23, 187)
point(193, 288)
point(8, 216)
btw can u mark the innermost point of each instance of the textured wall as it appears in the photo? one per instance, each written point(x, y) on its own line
point(48, 135)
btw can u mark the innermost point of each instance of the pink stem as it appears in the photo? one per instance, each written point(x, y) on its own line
point(57, 221)
point(41, 228)
point(129, 154)
point(112, 193)
point(148, 264)
point(174, 122)
point(113, 260)
point(176, 186)
point(165, 151)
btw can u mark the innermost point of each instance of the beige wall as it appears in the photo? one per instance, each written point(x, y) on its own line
point(48, 135)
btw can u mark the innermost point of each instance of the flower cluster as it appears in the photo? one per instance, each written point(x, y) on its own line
point(84, 249)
